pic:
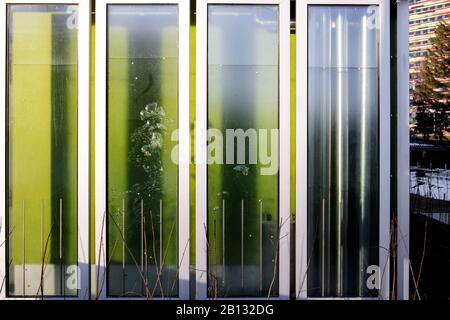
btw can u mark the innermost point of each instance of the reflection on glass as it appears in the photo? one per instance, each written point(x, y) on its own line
point(242, 202)
point(42, 150)
point(342, 149)
point(142, 179)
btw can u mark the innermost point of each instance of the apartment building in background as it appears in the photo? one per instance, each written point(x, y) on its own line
point(424, 16)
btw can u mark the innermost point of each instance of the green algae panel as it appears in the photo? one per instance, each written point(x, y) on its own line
point(243, 95)
point(42, 149)
point(142, 114)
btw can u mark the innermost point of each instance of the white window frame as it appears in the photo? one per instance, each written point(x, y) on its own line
point(201, 144)
point(183, 143)
point(83, 144)
point(403, 244)
point(301, 268)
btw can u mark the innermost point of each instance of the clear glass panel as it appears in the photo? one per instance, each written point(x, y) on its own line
point(42, 149)
point(142, 178)
point(243, 70)
point(343, 165)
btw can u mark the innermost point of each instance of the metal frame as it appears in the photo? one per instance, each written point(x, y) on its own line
point(200, 145)
point(183, 134)
point(83, 143)
point(302, 143)
point(403, 264)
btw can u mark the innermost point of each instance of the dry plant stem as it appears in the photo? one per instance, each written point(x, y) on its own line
point(275, 265)
point(4, 241)
point(304, 279)
point(316, 232)
point(416, 292)
point(274, 274)
point(215, 258)
point(166, 251)
point(416, 288)
point(215, 264)
point(129, 250)
point(385, 264)
point(147, 292)
point(161, 263)
point(179, 265)
point(214, 290)
point(100, 251)
point(43, 265)
point(158, 280)
point(10, 262)
point(394, 258)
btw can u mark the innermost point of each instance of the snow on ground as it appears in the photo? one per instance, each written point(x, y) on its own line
point(430, 183)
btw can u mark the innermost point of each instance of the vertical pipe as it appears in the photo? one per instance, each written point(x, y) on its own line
point(223, 240)
point(329, 159)
point(177, 262)
point(363, 182)
point(160, 236)
point(322, 247)
point(42, 230)
point(61, 246)
point(42, 240)
point(328, 266)
point(23, 247)
point(325, 129)
point(242, 243)
point(340, 63)
point(260, 245)
point(146, 253)
point(142, 242)
point(123, 246)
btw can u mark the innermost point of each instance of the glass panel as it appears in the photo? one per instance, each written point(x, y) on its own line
point(142, 178)
point(42, 149)
point(343, 165)
point(243, 70)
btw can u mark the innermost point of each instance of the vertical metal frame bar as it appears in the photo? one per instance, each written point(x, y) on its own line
point(302, 262)
point(100, 144)
point(201, 145)
point(201, 118)
point(385, 149)
point(285, 133)
point(184, 150)
point(82, 143)
point(99, 291)
point(301, 158)
point(402, 150)
point(3, 212)
point(84, 24)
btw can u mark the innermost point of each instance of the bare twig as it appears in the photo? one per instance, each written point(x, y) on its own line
point(100, 251)
point(129, 250)
point(416, 292)
point(43, 265)
point(158, 279)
